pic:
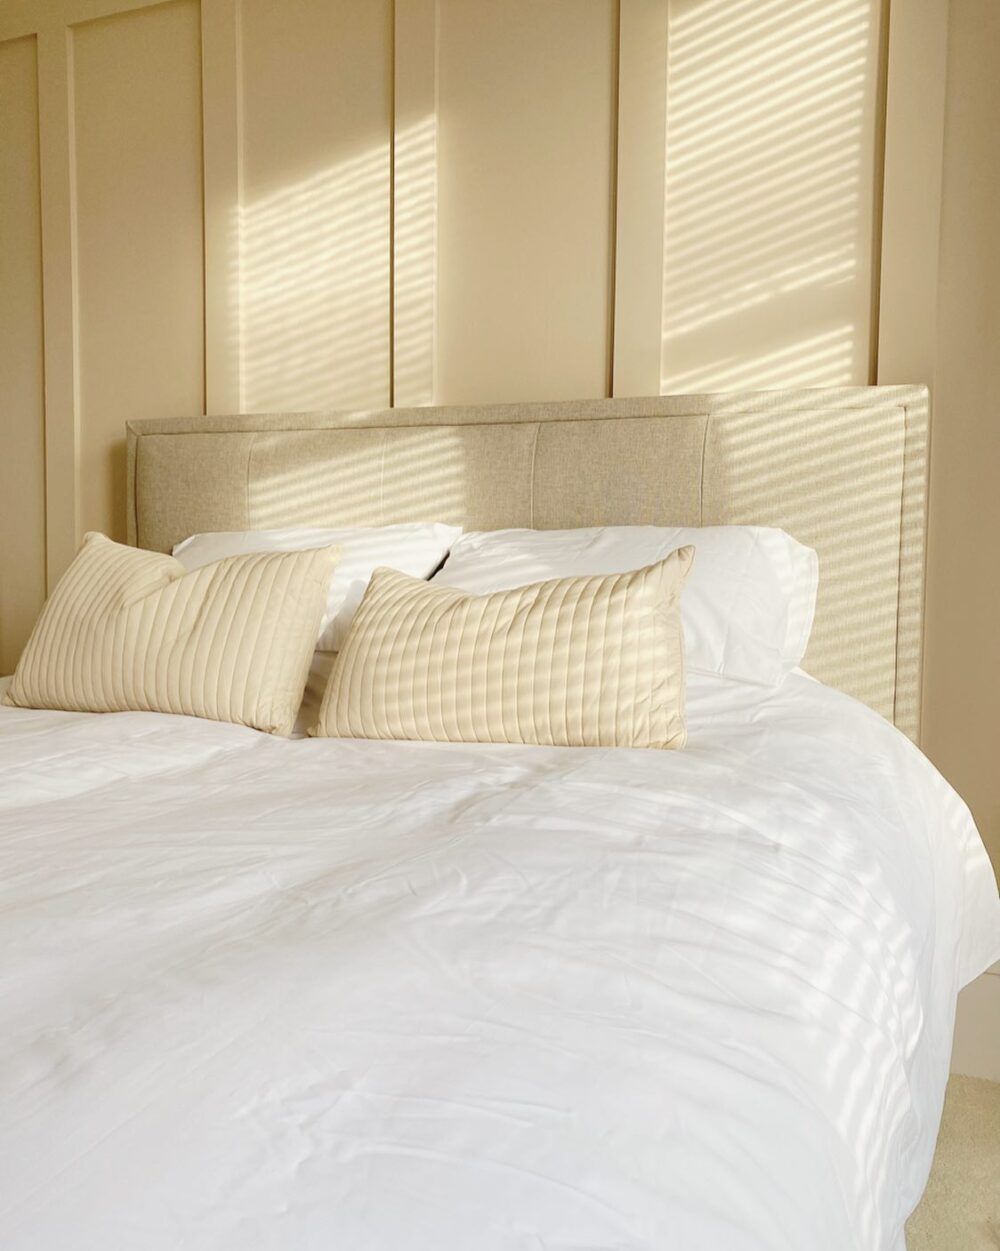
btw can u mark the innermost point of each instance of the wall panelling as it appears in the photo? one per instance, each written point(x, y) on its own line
point(138, 223)
point(22, 432)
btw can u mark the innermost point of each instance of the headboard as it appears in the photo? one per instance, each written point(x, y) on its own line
point(843, 470)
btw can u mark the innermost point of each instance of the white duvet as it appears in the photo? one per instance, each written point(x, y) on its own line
point(304, 995)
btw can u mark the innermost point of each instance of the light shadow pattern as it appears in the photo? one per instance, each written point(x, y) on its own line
point(769, 193)
point(415, 262)
point(833, 480)
point(313, 292)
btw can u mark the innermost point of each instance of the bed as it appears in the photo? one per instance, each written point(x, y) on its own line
point(293, 994)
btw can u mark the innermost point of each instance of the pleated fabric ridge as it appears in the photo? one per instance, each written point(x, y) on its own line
point(130, 630)
point(575, 662)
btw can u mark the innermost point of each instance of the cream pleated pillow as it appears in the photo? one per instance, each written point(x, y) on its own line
point(129, 630)
point(576, 662)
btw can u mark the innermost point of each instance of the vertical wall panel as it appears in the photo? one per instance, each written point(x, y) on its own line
point(526, 111)
point(772, 112)
point(22, 441)
point(916, 94)
point(642, 101)
point(414, 189)
point(220, 55)
point(58, 212)
point(962, 654)
point(315, 204)
point(137, 108)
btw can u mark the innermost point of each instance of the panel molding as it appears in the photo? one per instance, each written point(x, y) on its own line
point(59, 294)
point(414, 203)
point(641, 166)
point(911, 192)
point(22, 370)
point(31, 17)
point(222, 148)
point(139, 226)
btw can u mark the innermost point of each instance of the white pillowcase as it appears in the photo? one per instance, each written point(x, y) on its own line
point(747, 608)
point(415, 549)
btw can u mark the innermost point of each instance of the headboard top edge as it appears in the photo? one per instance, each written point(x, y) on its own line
point(698, 404)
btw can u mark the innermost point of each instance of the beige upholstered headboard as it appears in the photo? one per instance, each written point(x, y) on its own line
point(844, 471)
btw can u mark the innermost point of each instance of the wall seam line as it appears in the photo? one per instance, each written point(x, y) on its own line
point(609, 381)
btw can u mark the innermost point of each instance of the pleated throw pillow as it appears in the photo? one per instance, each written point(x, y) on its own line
point(129, 630)
point(576, 662)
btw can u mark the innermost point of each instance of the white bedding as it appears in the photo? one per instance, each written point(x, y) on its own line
point(303, 995)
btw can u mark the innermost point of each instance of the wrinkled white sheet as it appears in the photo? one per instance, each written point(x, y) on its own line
point(265, 995)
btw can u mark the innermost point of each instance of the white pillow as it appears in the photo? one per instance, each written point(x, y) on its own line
point(415, 549)
point(747, 608)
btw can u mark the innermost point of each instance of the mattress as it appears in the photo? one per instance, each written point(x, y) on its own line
point(266, 994)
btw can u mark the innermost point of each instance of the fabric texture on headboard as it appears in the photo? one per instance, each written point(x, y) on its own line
point(844, 471)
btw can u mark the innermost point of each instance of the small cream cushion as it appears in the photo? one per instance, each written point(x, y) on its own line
point(576, 662)
point(130, 630)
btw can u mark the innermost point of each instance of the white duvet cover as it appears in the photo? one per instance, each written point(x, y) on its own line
point(341, 996)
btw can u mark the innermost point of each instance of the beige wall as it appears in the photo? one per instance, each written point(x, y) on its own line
point(254, 204)
point(525, 106)
point(962, 665)
point(22, 404)
point(136, 168)
point(772, 112)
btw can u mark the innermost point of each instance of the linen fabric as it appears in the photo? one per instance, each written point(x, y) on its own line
point(127, 629)
point(573, 662)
